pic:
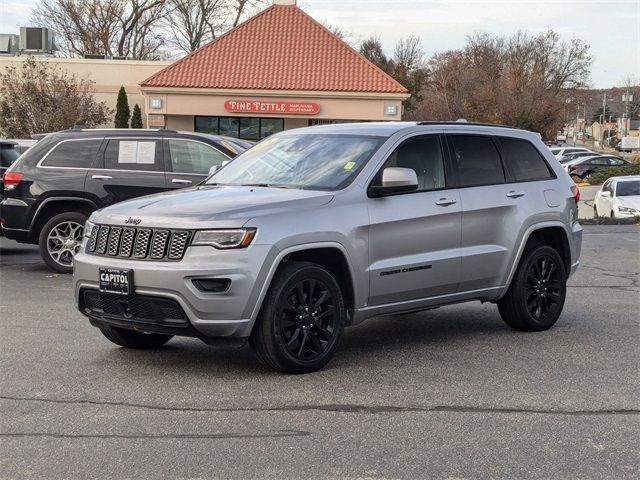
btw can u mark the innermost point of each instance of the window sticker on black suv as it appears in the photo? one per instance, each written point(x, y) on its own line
point(73, 153)
point(133, 155)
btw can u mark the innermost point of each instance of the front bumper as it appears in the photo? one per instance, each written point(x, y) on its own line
point(227, 314)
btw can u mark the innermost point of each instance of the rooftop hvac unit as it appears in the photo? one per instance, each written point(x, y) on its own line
point(36, 40)
point(8, 44)
point(94, 56)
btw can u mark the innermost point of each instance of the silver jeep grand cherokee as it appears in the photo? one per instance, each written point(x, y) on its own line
point(319, 228)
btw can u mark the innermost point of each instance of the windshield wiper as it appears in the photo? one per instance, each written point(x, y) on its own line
point(265, 185)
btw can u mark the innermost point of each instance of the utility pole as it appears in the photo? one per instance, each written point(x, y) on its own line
point(604, 119)
point(626, 98)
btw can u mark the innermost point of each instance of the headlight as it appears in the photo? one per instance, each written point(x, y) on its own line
point(627, 210)
point(88, 226)
point(238, 238)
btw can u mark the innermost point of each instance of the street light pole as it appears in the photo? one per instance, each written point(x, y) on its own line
point(604, 119)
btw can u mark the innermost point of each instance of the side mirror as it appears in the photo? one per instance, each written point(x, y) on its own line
point(214, 169)
point(604, 193)
point(395, 180)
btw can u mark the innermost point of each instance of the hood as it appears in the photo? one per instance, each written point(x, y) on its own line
point(631, 201)
point(209, 206)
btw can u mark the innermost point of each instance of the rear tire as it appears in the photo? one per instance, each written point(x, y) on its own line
point(537, 292)
point(301, 320)
point(60, 240)
point(130, 339)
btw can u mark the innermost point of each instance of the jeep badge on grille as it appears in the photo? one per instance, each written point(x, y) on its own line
point(133, 221)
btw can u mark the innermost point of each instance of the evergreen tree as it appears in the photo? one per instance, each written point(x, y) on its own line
point(136, 118)
point(123, 113)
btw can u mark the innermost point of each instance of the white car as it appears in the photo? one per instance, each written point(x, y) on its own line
point(558, 152)
point(619, 197)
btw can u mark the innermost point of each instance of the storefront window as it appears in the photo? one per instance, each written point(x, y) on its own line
point(248, 128)
point(269, 126)
point(207, 125)
point(229, 126)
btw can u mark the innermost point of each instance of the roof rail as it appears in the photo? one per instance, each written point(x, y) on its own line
point(465, 122)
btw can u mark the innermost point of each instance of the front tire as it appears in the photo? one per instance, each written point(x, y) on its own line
point(130, 339)
point(60, 240)
point(537, 293)
point(301, 320)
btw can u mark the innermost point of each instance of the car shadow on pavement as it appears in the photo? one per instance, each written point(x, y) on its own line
point(414, 334)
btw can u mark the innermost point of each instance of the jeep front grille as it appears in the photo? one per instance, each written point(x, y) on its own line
point(138, 243)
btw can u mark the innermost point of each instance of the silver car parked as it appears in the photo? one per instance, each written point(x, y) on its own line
point(316, 229)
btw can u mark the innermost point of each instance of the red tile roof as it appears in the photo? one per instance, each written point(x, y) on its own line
point(281, 48)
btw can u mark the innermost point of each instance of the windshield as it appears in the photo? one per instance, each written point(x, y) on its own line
point(628, 188)
point(307, 161)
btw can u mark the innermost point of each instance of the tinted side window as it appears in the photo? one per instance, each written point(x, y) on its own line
point(134, 154)
point(616, 161)
point(424, 156)
point(193, 157)
point(73, 153)
point(523, 160)
point(477, 160)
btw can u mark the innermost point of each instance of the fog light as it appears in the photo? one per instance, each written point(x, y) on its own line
point(212, 285)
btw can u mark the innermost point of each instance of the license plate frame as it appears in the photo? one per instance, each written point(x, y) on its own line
point(116, 280)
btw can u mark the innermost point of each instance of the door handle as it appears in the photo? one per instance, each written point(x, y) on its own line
point(101, 177)
point(445, 202)
point(181, 181)
point(514, 194)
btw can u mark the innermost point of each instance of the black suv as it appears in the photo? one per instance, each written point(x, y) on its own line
point(52, 189)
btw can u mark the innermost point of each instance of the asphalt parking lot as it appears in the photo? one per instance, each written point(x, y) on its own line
point(451, 393)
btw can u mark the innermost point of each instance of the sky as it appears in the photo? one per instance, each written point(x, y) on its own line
point(610, 27)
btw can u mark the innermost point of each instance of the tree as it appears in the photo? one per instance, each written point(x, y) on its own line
point(38, 97)
point(126, 28)
point(597, 115)
point(194, 23)
point(123, 113)
point(407, 65)
point(136, 118)
point(522, 80)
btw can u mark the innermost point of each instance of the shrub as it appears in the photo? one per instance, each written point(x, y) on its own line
point(136, 118)
point(633, 158)
point(122, 110)
point(603, 175)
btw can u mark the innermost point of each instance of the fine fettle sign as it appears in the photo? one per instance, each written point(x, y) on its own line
point(259, 106)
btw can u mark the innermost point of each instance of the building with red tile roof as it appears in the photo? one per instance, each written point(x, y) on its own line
point(280, 69)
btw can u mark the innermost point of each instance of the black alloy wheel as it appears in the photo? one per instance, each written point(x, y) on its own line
point(543, 287)
point(536, 296)
point(307, 318)
point(301, 320)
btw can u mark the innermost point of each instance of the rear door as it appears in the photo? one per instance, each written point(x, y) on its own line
point(414, 237)
point(188, 162)
point(504, 181)
point(128, 168)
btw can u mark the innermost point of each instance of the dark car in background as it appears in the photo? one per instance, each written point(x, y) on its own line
point(52, 189)
point(582, 168)
point(574, 156)
point(8, 154)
